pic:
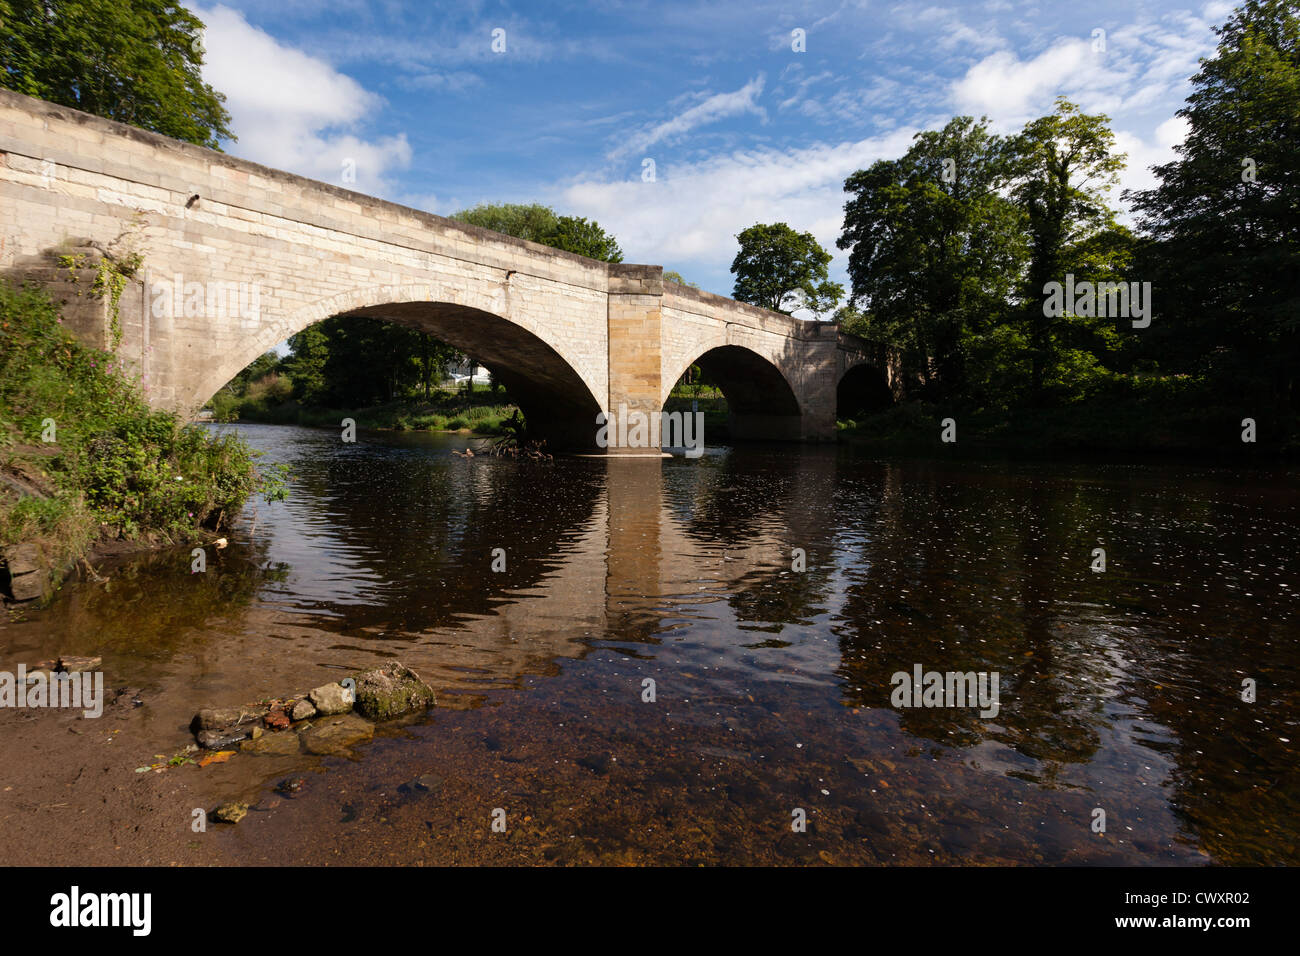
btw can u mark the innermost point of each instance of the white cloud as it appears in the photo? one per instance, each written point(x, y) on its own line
point(1142, 155)
point(689, 218)
point(709, 110)
point(293, 111)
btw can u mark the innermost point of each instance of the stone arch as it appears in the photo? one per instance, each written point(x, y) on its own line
point(862, 388)
point(558, 401)
point(761, 401)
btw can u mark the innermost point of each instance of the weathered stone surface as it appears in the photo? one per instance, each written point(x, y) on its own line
point(23, 559)
point(303, 710)
point(391, 691)
point(29, 579)
point(329, 735)
point(227, 737)
point(273, 745)
point(219, 718)
point(331, 699)
point(230, 812)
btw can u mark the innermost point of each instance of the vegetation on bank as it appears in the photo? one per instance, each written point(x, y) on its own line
point(1148, 428)
point(84, 459)
point(484, 412)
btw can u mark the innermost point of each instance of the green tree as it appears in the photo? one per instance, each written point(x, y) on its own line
point(935, 250)
point(577, 235)
point(263, 365)
point(541, 224)
point(306, 365)
point(1062, 167)
point(138, 63)
point(672, 275)
point(777, 267)
point(1226, 212)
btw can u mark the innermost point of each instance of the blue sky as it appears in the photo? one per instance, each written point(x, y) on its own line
point(741, 127)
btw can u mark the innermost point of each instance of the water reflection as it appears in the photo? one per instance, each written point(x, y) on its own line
point(1119, 690)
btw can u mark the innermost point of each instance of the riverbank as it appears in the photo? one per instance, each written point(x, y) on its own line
point(87, 468)
point(480, 413)
point(1168, 432)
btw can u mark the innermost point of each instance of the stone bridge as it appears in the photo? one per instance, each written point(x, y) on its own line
point(237, 257)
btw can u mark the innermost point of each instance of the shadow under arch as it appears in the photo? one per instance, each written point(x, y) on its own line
point(761, 404)
point(862, 390)
point(558, 404)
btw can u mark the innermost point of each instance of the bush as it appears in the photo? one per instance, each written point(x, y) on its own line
point(116, 465)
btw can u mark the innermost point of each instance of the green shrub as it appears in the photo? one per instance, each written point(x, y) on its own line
point(115, 463)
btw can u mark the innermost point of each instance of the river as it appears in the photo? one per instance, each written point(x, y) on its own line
point(659, 676)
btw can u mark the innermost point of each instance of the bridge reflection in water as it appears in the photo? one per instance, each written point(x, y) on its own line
point(773, 685)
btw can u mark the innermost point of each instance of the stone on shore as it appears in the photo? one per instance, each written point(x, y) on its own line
point(391, 691)
point(28, 577)
point(332, 734)
point(219, 718)
point(230, 812)
point(226, 737)
point(331, 699)
point(302, 710)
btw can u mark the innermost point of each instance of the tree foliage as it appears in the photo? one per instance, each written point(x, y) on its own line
point(783, 270)
point(137, 63)
point(1063, 166)
point(1225, 215)
point(935, 249)
point(541, 224)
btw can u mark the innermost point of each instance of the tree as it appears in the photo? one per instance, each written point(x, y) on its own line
point(778, 267)
point(1062, 167)
point(541, 224)
point(1225, 215)
point(306, 365)
point(533, 222)
point(136, 62)
point(672, 275)
point(577, 235)
point(935, 250)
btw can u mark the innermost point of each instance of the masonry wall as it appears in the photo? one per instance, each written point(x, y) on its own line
point(270, 253)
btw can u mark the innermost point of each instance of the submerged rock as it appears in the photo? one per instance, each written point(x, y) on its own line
point(332, 699)
point(221, 739)
point(391, 691)
point(337, 733)
point(273, 745)
point(425, 783)
point(230, 812)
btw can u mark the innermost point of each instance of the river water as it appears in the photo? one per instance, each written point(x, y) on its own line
point(1120, 690)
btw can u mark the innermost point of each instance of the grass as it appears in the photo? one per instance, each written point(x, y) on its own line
point(268, 401)
point(83, 457)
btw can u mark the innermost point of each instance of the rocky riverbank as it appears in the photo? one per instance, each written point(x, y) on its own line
point(327, 720)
